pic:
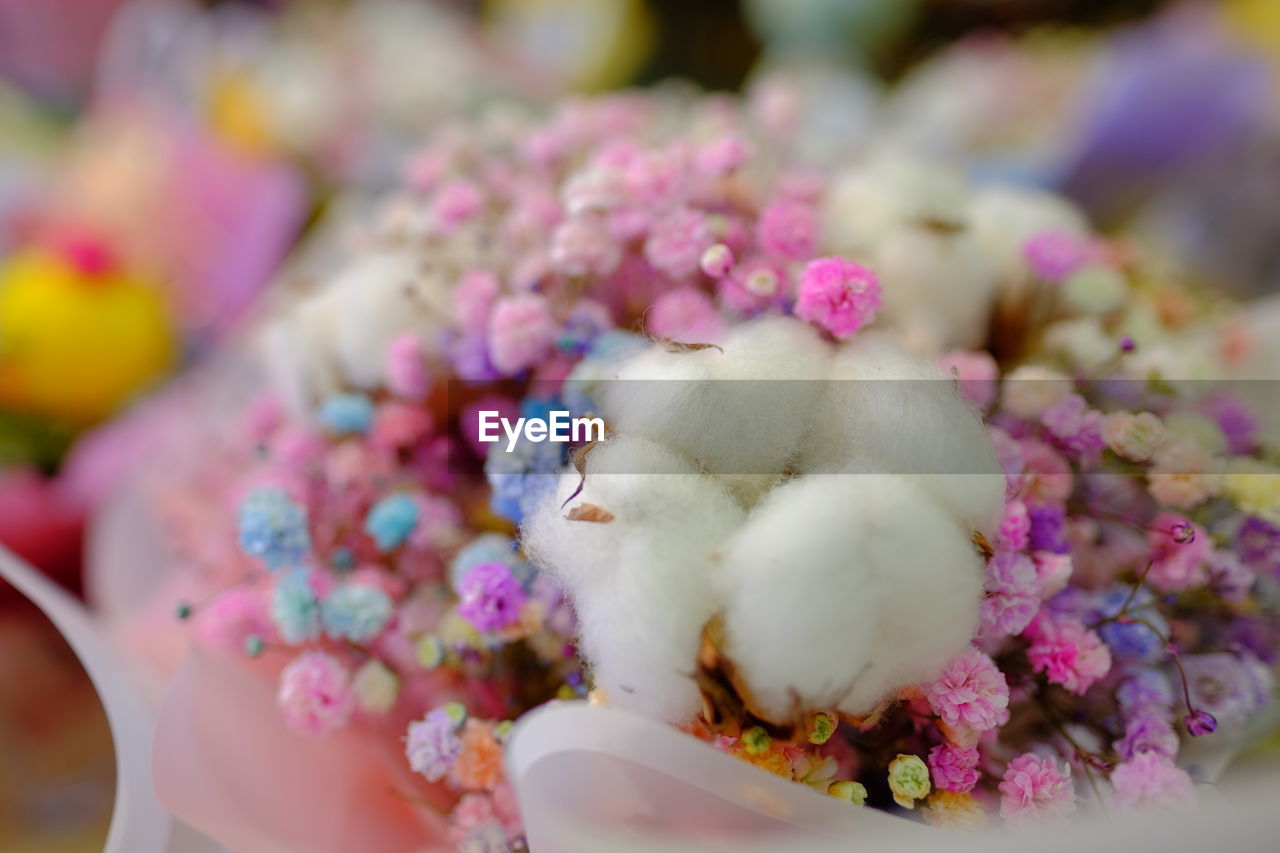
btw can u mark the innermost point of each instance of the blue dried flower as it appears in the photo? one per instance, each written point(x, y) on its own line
point(1131, 641)
point(346, 414)
point(294, 608)
point(355, 612)
point(524, 477)
point(273, 527)
point(391, 520)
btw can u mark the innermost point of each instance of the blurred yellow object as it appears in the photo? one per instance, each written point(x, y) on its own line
point(239, 116)
point(591, 45)
point(75, 342)
point(1258, 23)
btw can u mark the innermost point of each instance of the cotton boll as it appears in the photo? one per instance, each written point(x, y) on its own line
point(295, 352)
point(641, 582)
point(888, 191)
point(939, 287)
point(338, 336)
point(740, 412)
point(379, 301)
point(1005, 218)
point(884, 411)
point(842, 589)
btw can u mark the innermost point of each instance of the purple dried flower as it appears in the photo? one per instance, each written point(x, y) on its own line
point(1048, 528)
point(1258, 544)
point(1200, 723)
point(1183, 532)
point(491, 597)
point(1147, 732)
point(432, 745)
point(1228, 687)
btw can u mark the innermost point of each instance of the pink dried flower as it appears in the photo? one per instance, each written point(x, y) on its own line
point(521, 332)
point(598, 189)
point(1075, 425)
point(976, 374)
point(838, 295)
point(439, 523)
point(686, 315)
point(954, 768)
point(722, 155)
point(970, 693)
point(659, 179)
point(1151, 780)
point(1178, 559)
point(227, 621)
point(473, 299)
point(456, 203)
point(676, 242)
point(789, 229)
point(754, 285)
point(585, 245)
point(406, 367)
point(1015, 526)
point(472, 811)
point(1053, 571)
point(399, 425)
point(1055, 255)
point(1046, 476)
point(1067, 653)
point(717, 261)
point(1035, 791)
point(1013, 594)
point(315, 694)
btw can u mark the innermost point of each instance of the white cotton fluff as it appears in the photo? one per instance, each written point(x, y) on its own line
point(739, 413)
point(884, 411)
point(338, 336)
point(848, 571)
point(294, 352)
point(1005, 218)
point(908, 220)
point(843, 589)
point(641, 583)
point(887, 191)
point(939, 286)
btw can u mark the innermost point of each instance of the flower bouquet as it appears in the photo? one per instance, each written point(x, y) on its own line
point(810, 519)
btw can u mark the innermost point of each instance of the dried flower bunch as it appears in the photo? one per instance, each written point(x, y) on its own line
point(818, 534)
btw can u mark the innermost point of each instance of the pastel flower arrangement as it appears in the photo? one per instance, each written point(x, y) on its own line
point(967, 588)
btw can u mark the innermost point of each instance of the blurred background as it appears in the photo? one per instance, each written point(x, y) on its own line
point(161, 162)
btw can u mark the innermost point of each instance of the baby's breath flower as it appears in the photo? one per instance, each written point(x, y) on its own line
point(1133, 436)
point(854, 792)
point(908, 780)
point(273, 528)
point(376, 687)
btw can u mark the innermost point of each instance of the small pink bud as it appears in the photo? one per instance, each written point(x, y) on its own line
point(1200, 723)
point(717, 260)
